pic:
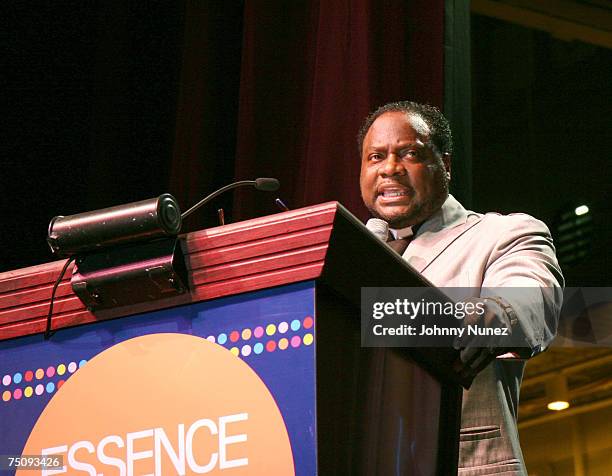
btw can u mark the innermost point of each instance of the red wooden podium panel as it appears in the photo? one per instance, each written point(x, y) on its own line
point(246, 256)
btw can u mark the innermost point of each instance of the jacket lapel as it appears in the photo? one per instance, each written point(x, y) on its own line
point(439, 232)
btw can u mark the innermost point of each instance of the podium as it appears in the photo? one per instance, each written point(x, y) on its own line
point(258, 369)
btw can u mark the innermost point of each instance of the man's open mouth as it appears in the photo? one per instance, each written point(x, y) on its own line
point(394, 193)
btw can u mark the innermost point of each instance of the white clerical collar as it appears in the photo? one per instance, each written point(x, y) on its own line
point(401, 233)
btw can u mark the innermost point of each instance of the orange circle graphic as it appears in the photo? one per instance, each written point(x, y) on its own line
point(164, 404)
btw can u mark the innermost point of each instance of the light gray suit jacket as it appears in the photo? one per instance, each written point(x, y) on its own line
point(461, 248)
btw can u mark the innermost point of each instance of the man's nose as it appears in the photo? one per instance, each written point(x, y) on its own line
point(392, 165)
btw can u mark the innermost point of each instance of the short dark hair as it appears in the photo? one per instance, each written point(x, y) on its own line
point(441, 135)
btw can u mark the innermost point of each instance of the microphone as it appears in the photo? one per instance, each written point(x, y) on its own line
point(139, 221)
point(265, 184)
point(280, 204)
point(379, 228)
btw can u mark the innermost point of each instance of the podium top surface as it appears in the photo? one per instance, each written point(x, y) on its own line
point(317, 242)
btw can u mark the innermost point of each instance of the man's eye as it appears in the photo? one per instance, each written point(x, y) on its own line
point(376, 157)
point(410, 153)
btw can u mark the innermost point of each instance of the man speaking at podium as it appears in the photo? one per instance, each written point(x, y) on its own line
point(406, 151)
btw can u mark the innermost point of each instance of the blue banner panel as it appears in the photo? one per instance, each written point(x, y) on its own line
point(57, 382)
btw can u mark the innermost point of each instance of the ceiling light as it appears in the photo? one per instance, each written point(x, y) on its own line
point(581, 210)
point(556, 393)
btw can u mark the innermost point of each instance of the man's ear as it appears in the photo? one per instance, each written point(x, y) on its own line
point(447, 159)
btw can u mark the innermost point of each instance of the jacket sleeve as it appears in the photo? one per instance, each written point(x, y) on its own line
point(525, 283)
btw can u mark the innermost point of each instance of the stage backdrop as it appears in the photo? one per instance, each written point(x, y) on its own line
point(115, 103)
point(309, 74)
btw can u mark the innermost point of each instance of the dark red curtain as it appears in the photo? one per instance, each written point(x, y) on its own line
point(207, 106)
point(309, 73)
point(122, 101)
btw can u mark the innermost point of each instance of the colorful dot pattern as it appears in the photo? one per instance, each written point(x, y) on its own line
point(240, 342)
point(281, 336)
point(31, 383)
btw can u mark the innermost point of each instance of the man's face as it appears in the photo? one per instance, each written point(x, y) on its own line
point(404, 179)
